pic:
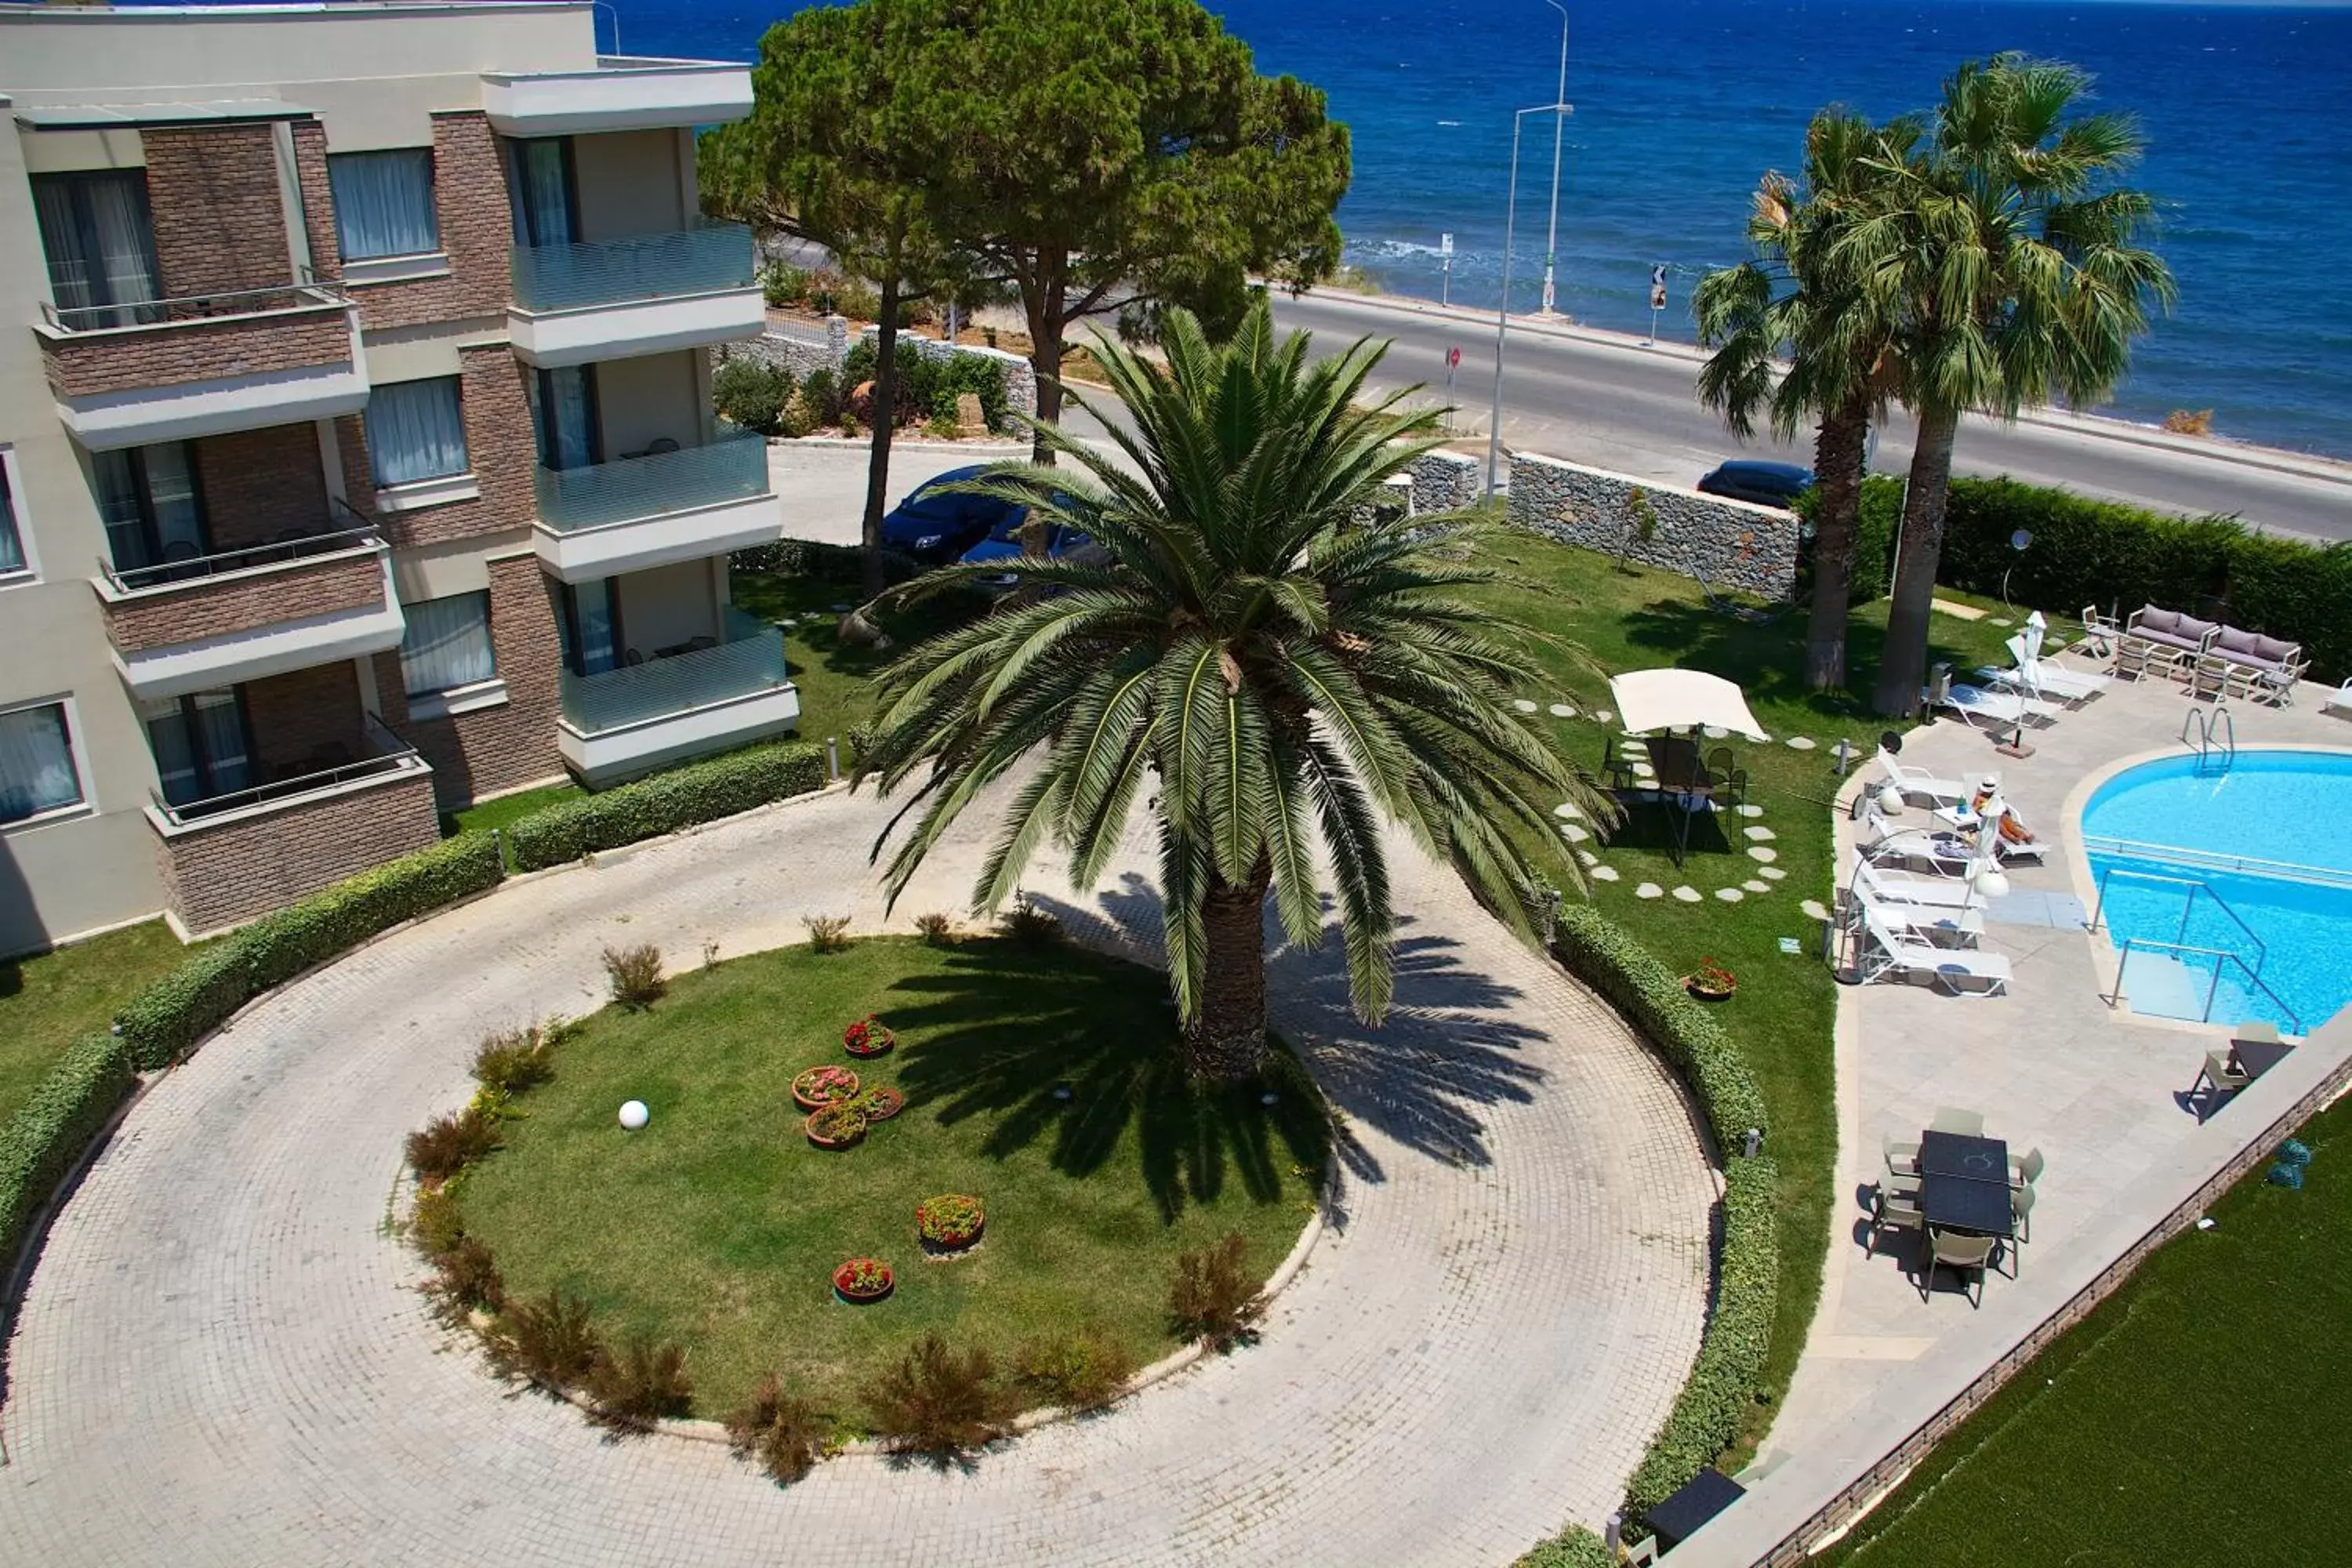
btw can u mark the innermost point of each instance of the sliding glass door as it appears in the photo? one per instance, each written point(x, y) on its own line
point(565, 409)
point(202, 748)
point(100, 247)
point(590, 624)
point(542, 191)
point(151, 504)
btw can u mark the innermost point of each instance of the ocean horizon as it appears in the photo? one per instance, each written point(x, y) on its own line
point(1679, 109)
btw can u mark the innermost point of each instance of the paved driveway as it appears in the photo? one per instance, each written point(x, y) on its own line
point(221, 1360)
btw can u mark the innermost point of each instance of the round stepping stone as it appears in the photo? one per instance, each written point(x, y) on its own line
point(1773, 872)
point(1800, 743)
point(1758, 852)
point(1814, 907)
point(1649, 890)
point(1761, 835)
point(1751, 811)
point(1573, 834)
point(1562, 710)
point(1602, 715)
point(1565, 809)
point(1755, 887)
point(1717, 732)
point(1523, 705)
point(1645, 769)
point(1589, 858)
point(1687, 895)
point(1729, 895)
point(1604, 873)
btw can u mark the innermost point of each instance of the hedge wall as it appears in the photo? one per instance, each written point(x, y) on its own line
point(52, 1129)
point(1640, 986)
point(1575, 1546)
point(699, 792)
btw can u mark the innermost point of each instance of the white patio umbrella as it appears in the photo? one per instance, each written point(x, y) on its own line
point(1673, 699)
point(2036, 628)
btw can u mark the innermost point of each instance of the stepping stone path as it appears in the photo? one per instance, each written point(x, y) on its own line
point(1523, 705)
point(1751, 811)
point(1606, 874)
point(1567, 810)
point(1649, 890)
point(1589, 858)
point(1572, 833)
point(1688, 895)
point(1800, 743)
point(1601, 715)
point(1758, 852)
point(1774, 872)
point(1729, 895)
point(1562, 710)
point(1761, 835)
point(1812, 906)
point(1753, 887)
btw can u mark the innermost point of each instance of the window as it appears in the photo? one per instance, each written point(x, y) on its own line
point(383, 202)
point(415, 430)
point(100, 247)
point(200, 744)
point(152, 505)
point(37, 762)
point(564, 405)
point(590, 626)
point(448, 643)
point(12, 559)
point(540, 183)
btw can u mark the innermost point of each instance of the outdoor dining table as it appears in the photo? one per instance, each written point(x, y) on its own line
point(1964, 1184)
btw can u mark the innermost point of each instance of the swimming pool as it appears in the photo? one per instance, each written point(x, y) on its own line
point(2253, 861)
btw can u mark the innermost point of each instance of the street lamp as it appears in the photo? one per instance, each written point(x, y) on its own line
point(1558, 129)
point(1503, 314)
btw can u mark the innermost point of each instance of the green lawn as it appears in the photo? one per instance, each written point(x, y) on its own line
point(2201, 1415)
point(506, 808)
point(1783, 1015)
point(48, 1002)
point(720, 1225)
point(832, 677)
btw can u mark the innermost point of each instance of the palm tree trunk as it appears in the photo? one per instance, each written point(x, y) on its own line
point(1226, 1042)
point(1837, 466)
point(1903, 668)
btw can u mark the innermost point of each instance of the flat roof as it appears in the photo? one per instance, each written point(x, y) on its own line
point(297, 8)
point(119, 116)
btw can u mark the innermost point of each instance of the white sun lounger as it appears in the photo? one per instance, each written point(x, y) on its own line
point(1900, 954)
point(1903, 887)
point(1948, 927)
point(1920, 782)
point(1948, 852)
point(1998, 710)
point(2042, 678)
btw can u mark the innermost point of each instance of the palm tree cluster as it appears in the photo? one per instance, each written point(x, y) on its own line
point(1272, 664)
point(1982, 260)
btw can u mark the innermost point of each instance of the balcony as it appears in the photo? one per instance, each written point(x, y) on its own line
point(624, 92)
point(649, 293)
point(170, 370)
point(243, 614)
point(227, 860)
point(656, 509)
point(627, 721)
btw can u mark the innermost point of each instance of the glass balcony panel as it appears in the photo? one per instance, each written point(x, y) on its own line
point(732, 468)
point(708, 259)
point(752, 660)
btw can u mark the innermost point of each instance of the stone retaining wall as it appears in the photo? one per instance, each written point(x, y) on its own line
point(1728, 544)
point(801, 352)
point(1443, 482)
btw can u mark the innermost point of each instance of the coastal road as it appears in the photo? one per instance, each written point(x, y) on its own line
point(1608, 399)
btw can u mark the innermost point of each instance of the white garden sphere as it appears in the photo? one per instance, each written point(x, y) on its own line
point(633, 1115)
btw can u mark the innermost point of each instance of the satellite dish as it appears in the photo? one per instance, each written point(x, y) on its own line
point(2020, 539)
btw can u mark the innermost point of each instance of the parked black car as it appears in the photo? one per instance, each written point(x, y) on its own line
point(936, 524)
point(1766, 484)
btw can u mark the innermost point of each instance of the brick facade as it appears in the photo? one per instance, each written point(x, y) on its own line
point(219, 219)
point(174, 352)
point(190, 611)
point(500, 748)
point(499, 444)
point(218, 874)
point(306, 720)
point(469, 195)
point(260, 484)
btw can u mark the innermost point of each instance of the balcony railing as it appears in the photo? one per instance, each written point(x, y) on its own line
point(751, 661)
point(708, 259)
point(83, 319)
point(732, 468)
point(282, 551)
point(388, 755)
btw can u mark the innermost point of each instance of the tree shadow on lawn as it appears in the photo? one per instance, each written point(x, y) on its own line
point(1769, 660)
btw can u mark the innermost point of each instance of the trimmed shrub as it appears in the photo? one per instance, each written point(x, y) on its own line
point(782, 1433)
point(1874, 546)
point(1082, 1371)
point(279, 947)
point(1027, 926)
point(751, 393)
point(783, 284)
point(826, 933)
point(513, 1060)
point(1723, 1383)
point(935, 928)
point(550, 1343)
point(939, 1403)
point(637, 976)
point(434, 1224)
point(1212, 1297)
point(699, 792)
point(164, 1021)
point(1635, 981)
point(447, 1144)
point(465, 1276)
point(632, 1391)
point(49, 1132)
point(1575, 1546)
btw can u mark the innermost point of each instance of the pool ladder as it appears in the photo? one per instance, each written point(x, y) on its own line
point(2216, 735)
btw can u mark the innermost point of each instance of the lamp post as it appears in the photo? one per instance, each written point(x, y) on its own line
point(1559, 132)
point(1503, 313)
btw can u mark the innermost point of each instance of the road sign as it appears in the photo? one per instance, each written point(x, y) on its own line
point(1445, 245)
point(1658, 286)
point(1453, 358)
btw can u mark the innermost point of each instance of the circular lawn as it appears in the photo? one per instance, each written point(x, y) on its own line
point(1046, 1082)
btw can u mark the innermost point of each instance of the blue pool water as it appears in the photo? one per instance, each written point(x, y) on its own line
point(2266, 837)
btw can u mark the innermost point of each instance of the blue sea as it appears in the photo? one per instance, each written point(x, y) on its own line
point(1681, 104)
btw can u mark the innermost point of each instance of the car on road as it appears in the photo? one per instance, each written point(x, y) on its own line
point(935, 523)
point(1766, 484)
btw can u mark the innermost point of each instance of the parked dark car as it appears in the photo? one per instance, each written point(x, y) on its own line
point(1766, 484)
point(936, 524)
point(1003, 544)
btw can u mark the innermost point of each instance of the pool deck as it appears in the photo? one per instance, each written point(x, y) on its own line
point(2050, 1065)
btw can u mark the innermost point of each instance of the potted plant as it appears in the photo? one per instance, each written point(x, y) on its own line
point(863, 1279)
point(949, 1222)
point(820, 1086)
point(835, 1126)
point(1713, 983)
point(880, 1102)
point(868, 1038)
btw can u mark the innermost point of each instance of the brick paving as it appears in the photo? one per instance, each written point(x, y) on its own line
point(221, 1360)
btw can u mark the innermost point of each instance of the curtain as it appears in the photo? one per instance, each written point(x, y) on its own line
point(540, 193)
point(591, 606)
point(383, 202)
point(448, 643)
point(147, 498)
point(220, 734)
point(11, 543)
point(175, 753)
point(416, 431)
point(199, 745)
point(100, 245)
point(566, 440)
point(36, 768)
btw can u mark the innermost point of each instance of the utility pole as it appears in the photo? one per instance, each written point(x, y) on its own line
point(1503, 313)
point(1558, 129)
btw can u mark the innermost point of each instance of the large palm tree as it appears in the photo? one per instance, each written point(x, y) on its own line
point(1789, 300)
point(2010, 255)
point(1261, 656)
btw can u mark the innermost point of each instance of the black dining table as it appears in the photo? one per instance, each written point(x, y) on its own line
point(1964, 1184)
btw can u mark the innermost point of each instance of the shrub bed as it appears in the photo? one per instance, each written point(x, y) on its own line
point(50, 1132)
point(699, 792)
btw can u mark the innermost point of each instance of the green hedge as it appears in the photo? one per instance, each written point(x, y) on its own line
point(1874, 544)
point(1641, 986)
point(699, 792)
point(163, 1022)
point(1706, 1417)
point(52, 1129)
point(1575, 1546)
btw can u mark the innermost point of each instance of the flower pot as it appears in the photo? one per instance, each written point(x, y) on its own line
point(882, 1102)
point(832, 1140)
point(859, 1296)
point(878, 1042)
point(949, 1233)
point(838, 1084)
point(1700, 990)
point(953, 1243)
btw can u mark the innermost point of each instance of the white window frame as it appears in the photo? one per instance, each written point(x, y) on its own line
point(12, 473)
point(76, 748)
point(434, 257)
point(448, 701)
